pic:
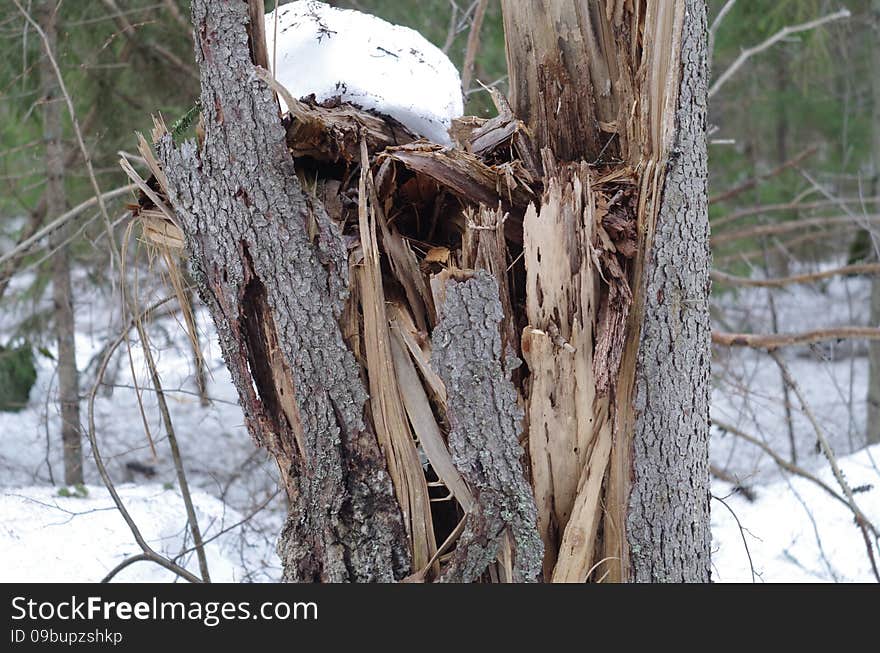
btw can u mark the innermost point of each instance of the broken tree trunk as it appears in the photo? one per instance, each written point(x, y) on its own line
point(569, 233)
point(617, 284)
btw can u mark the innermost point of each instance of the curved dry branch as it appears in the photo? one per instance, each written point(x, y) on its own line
point(148, 552)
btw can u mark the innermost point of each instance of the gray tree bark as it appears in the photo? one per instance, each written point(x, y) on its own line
point(273, 270)
point(668, 521)
point(62, 293)
point(485, 425)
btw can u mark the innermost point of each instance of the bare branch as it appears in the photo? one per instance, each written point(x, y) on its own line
point(754, 181)
point(862, 520)
point(791, 225)
point(713, 29)
point(63, 219)
point(148, 552)
point(775, 341)
point(473, 45)
point(723, 277)
point(155, 49)
point(784, 246)
point(782, 34)
point(742, 533)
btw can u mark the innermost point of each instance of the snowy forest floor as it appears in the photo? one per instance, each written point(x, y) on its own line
point(791, 531)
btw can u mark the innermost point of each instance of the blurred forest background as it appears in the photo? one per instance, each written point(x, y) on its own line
point(794, 158)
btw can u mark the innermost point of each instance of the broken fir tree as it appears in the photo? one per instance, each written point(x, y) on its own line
point(482, 360)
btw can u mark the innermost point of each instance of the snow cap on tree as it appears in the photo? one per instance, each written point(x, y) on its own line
point(362, 59)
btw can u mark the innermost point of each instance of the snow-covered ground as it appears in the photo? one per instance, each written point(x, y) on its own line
point(45, 537)
point(231, 479)
point(794, 530)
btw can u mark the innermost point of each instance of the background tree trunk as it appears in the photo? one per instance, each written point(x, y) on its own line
point(62, 294)
point(873, 417)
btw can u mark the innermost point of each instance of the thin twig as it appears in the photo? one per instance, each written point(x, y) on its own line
point(741, 533)
point(861, 520)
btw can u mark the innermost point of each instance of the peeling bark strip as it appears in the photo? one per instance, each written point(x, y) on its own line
point(667, 525)
point(386, 406)
point(485, 425)
point(276, 295)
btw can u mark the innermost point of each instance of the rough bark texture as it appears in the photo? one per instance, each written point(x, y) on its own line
point(273, 272)
point(668, 520)
point(485, 423)
point(62, 293)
